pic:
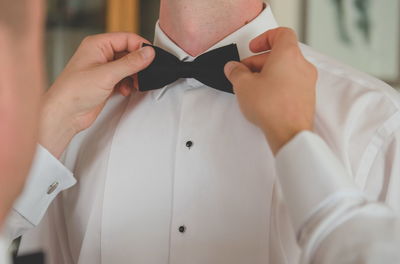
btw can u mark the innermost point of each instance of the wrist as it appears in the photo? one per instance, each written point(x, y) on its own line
point(56, 127)
point(278, 137)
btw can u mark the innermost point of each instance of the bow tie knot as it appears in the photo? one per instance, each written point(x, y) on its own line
point(188, 69)
point(208, 68)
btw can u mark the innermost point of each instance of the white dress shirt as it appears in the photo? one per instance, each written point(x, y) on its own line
point(48, 177)
point(336, 223)
point(140, 185)
point(4, 257)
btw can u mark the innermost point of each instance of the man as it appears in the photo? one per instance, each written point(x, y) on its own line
point(375, 229)
point(21, 83)
point(179, 175)
point(19, 107)
point(97, 58)
point(345, 229)
point(20, 36)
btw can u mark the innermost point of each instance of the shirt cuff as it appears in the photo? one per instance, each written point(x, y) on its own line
point(47, 178)
point(4, 258)
point(312, 178)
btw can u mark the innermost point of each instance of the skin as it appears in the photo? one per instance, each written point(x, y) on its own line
point(282, 79)
point(21, 82)
point(195, 26)
point(74, 101)
point(275, 102)
point(276, 90)
point(79, 94)
point(77, 97)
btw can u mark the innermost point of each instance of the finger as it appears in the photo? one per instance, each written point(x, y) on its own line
point(126, 86)
point(117, 87)
point(103, 48)
point(135, 82)
point(128, 65)
point(256, 63)
point(126, 92)
point(273, 39)
point(119, 55)
point(237, 73)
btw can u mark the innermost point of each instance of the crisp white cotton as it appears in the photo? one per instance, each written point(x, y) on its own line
point(138, 182)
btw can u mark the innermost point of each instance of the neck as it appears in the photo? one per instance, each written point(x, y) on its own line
point(196, 25)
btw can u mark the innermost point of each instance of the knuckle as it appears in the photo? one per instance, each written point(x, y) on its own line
point(88, 39)
point(241, 77)
point(236, 73)
point(133, 60)
point(292, 51)
point(93, 38)
point(282, 30)
point(287, 31)
point(290, 31)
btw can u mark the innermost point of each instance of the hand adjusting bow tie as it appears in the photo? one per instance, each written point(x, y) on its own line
point(207, 68)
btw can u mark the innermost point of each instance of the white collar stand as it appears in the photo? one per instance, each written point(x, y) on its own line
point(242, 37)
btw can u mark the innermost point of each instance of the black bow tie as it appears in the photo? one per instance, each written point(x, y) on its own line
point(207, 68)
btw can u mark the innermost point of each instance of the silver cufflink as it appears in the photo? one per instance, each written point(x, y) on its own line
point(52, 188)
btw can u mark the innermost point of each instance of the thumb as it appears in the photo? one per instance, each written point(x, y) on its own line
point(237, 73)
point(128, 65)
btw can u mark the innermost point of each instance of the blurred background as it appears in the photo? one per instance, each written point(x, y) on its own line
point(362, 33)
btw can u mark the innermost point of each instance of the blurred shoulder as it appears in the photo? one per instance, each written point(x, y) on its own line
point(332, 70)
point(349, 88)
point(355, 112)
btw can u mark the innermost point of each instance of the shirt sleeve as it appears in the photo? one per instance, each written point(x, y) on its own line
point(47, 178)
point(4, 257)
point(370, 236)
point(325, 205)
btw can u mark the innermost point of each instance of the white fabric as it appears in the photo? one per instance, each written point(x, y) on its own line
point(34, 201)
point(4, 257)
point(370, 236)
point(334, 221)
point(138, 182)
point(327, 176)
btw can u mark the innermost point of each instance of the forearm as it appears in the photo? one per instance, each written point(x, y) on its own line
point(20, 86)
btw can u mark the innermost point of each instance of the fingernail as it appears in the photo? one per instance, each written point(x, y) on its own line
point(146, 52)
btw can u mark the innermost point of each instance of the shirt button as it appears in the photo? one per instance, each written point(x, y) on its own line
point(189, 144)
point(182, 229)
point(52, 187)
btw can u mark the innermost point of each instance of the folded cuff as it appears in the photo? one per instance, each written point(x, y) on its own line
point(312, 178)
point(47, 178)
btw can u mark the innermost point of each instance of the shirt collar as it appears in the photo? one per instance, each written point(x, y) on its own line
point(242, 37)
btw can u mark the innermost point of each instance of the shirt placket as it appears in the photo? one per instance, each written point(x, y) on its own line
point(184, 182)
